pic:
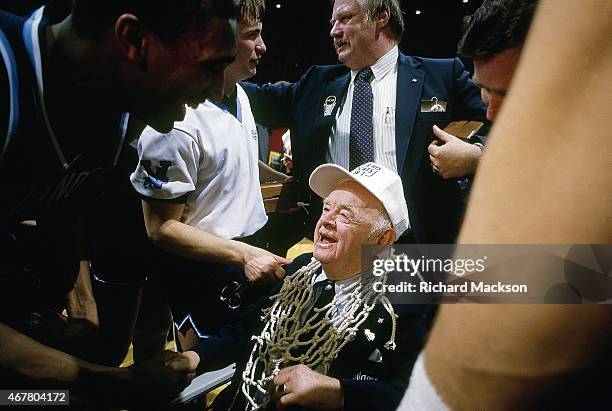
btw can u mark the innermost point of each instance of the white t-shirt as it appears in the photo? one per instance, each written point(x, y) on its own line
point(210, 158)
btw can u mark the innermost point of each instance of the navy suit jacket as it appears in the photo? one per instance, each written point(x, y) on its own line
point(434, 204)
point(368, 383)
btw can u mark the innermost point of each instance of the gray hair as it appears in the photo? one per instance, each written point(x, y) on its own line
point(382, 224)
point(396, 18)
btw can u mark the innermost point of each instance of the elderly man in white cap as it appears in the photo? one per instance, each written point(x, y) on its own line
point(325, 339)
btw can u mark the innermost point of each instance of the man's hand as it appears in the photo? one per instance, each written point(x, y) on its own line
point(77, 333)
point(163, 377)
point(181, 362)
point(261, 265)
point(453, 157)
point(299, 385)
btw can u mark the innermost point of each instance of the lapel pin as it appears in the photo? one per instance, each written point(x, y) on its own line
point(380, 320)
point(414, 80)
point(328, 106)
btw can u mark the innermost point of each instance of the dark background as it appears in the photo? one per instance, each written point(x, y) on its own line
point(297, 33)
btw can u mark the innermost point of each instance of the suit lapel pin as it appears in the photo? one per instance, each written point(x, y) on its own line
point(370, 336)
point(328, 106)
point(380, 320)
point(414, 80)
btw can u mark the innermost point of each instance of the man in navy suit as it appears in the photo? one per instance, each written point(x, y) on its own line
point(408, 96)
point(318, 345)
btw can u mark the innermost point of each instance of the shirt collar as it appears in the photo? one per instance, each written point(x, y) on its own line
point(382, 66)
point(230, 104)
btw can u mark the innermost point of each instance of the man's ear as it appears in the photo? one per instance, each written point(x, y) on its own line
point(129, 33)
point(387, 238)
point(382, 19)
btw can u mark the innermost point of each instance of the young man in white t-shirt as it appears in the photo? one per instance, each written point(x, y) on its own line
point(201, 193)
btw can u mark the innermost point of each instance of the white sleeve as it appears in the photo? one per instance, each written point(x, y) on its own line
point(167, 164)
point(421, 393)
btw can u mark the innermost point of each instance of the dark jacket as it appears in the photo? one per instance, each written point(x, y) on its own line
point(434, 204)
point(367, 383)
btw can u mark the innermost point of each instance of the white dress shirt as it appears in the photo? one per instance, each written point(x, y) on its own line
point(384, 89)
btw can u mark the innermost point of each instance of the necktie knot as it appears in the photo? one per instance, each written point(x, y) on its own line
point(364, 75)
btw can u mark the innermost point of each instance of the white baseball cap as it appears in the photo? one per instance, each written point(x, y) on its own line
point(381, 182)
